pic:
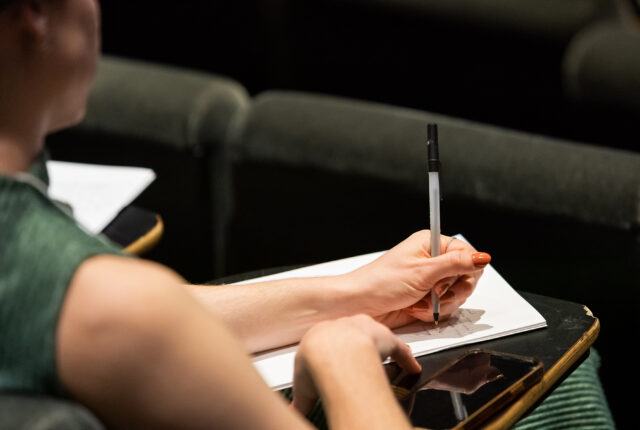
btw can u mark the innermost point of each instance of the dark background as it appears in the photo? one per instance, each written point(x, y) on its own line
point(502, 72)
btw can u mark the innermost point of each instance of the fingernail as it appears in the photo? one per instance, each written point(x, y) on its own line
point(480, 259)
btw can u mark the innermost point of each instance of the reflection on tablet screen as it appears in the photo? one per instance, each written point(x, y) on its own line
point(458, 391)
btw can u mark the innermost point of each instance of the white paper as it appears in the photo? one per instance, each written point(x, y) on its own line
point(96, 193)
point(494, 310)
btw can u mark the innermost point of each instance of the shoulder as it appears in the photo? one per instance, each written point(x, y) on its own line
point(110, 291)
point(32, 226)
point(42, 246)
point(118, 272)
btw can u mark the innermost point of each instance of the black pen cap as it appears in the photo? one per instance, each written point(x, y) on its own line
point(433, 155)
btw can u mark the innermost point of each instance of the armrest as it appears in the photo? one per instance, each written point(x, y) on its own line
point(21, 412)
point(602, 65)
point(487, 164)
point(174, 121)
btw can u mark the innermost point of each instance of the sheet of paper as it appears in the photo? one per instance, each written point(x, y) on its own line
point(96, 193)
point(494, 310)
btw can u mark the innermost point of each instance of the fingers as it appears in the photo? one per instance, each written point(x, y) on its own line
point(443, 285)
point(303, 404)
point(305, 394)
point(462, 288)
point(404, 358)
point(456, 263)
point(450, 300)
point(423, 310)
point(449, 244)
point(387, 343)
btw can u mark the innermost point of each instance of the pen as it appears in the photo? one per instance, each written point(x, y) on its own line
point(433, 161)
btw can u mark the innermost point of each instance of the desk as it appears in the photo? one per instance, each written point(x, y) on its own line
point(561, 347)
point(137, 230)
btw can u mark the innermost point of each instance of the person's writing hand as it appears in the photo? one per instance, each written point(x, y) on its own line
point(397, 285)
point(343, 356)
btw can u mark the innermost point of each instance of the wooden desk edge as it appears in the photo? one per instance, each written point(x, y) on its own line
point(515, 411)
point(148, 240)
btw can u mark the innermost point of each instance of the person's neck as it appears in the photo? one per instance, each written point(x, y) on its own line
point(23, 127)
point(17, 155)
point(22, 134)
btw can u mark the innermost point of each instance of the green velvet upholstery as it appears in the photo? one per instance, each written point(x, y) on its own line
point(174, 121)
point(576, 403)
point(23, 412)
point(547, 19)
point(496, 62)
point(488, 164)
point(602, 67)
point(175, 107)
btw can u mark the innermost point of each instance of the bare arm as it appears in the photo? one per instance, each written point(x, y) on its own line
point(394, 289)
point(141, 353)
point(278, 313)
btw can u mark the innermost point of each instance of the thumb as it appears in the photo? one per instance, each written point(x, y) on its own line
point(457, 263)
point(303, 404)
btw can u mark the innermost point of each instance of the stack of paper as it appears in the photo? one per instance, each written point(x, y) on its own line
point(96, 193)
point(494, 310)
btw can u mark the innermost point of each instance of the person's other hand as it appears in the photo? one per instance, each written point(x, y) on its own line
point(345, 350)
point(396, 287)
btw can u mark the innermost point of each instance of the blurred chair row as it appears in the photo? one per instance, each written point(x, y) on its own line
point(210, 144)
point(563, 67)
point(602, 67)
point(498, 62)
point(289, 178)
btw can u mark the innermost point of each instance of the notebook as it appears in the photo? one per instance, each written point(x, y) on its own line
point(96, 193)
point(494, 310)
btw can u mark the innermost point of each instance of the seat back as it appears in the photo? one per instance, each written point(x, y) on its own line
point(174, 121)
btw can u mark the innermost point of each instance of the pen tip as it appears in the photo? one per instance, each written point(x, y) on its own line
point(436, 318)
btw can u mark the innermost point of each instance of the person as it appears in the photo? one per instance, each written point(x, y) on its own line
point(129, 338)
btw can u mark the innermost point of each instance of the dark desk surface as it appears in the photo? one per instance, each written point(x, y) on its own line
point(561, 347)
point(135, 229)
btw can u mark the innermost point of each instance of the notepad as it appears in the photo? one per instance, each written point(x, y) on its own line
point(494, 310)
point(96, 193)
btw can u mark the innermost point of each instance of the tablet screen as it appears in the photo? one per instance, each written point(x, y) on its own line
point(466, 386)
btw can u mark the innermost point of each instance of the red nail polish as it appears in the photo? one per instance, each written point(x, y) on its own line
point(480, 259)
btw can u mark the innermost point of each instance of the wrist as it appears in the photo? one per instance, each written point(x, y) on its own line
point(346, 294)
point(334, 374)
point(320, 343)
point(352, 384)
point(365, 292)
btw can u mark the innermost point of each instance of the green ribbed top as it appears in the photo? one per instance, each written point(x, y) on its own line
point(41, 247)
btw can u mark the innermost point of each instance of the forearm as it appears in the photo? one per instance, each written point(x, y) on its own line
point(277, 313)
